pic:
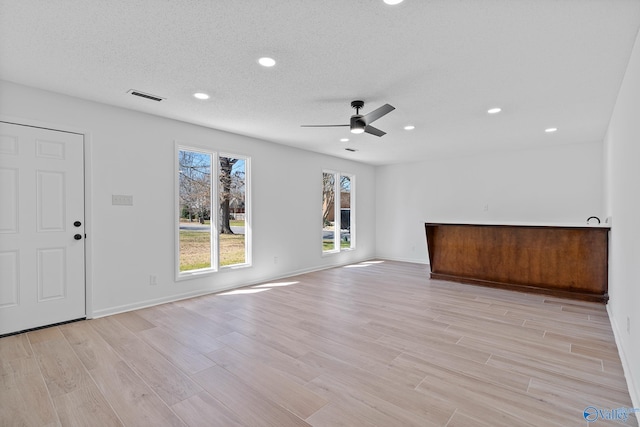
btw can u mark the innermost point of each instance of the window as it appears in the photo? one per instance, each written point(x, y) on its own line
point(233, 216)
point(194, 196)
point(337, 213)
point(213, 217)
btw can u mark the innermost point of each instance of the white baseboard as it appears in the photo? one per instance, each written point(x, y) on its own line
point(150, 303)
point(634, 391)
point(201, 292)
point(411, 260)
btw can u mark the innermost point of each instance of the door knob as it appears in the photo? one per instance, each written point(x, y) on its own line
point(77, 224)
point(77, 237)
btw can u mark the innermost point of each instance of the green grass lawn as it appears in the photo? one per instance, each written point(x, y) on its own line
point(327, 245)
point(195, 249)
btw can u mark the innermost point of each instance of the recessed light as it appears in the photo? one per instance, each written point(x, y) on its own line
point(201, 95)
point(550, 130)
point(344, 140)
point(266, 61)
point(393, 2)
point(495, 110)
point(409, 127)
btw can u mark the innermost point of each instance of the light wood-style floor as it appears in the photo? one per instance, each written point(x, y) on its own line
point(372, 344)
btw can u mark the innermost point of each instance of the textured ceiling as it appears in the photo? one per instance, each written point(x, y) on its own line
point(442, 64)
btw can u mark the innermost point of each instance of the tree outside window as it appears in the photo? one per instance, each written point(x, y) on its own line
point(211, 235)
point(337, 213)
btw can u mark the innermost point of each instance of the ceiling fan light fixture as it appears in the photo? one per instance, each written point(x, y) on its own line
point(357, 125)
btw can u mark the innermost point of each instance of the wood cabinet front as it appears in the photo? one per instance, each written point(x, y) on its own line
point(562, 261)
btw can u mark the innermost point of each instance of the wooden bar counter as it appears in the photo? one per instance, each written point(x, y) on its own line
point(563, 261)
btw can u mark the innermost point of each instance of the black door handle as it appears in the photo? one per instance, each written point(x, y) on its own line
point(77, 224)
point(77, 237)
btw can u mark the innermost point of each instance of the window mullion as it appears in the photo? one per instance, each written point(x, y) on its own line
point(215, 208)
point(336, 213)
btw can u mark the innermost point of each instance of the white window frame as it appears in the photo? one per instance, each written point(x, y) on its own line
point(352, 209)
point(215, 212)
point(190, 274)
point(247, 211)
point(337, 214)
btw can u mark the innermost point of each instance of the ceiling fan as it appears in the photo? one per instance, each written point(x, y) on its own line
point(362, 123)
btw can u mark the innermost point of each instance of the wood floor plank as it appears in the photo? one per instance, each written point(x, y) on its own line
point(184, 356)
point(131, 399)
point(460, 366)
point(171, 384)
point(15, 347)
point(571, 397)
point(89, 346)
point(257, 350)
point(285, 341)
point(16, 356)
point(507, 347)
point(342, 414)
point(202, 410)
point(361, 379)
point(559, 374)
point(596, 353)
point(371, 344)
point(25, 400)
point(367, 407)
point(239, 397)
point(62, 370)
point(459, 419)
point(447, 345)
point(271, 382)
point(113, 332)
point(85, 406)
point(133, 321)
point(192, 337)
point(515, 408)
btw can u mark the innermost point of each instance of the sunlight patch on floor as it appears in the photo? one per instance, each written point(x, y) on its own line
point(244, 291)
point(276, 284)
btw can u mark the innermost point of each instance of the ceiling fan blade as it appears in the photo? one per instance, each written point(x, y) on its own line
point(374, 131)
point(376, 114)
point(322, 126)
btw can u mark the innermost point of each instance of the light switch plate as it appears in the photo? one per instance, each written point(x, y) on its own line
point(121, 200)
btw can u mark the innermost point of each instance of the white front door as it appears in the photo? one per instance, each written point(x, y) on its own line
point(42, 279)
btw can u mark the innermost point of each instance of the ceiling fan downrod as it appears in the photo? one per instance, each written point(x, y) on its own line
point(357, 105)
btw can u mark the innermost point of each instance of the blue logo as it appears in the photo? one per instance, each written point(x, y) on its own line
point(590, 413)
point(593, 413)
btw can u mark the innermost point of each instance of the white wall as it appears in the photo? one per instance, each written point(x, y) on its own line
point(133, 153)
point(560, 184)
point(622, 154)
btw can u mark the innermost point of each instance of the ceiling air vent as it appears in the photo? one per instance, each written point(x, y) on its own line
point(145, 95)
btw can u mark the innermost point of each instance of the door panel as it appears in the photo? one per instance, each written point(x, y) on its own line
point(42, 265)
point(51, 203)
point(52, 277)
point(9, 206)
point(9, 279)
